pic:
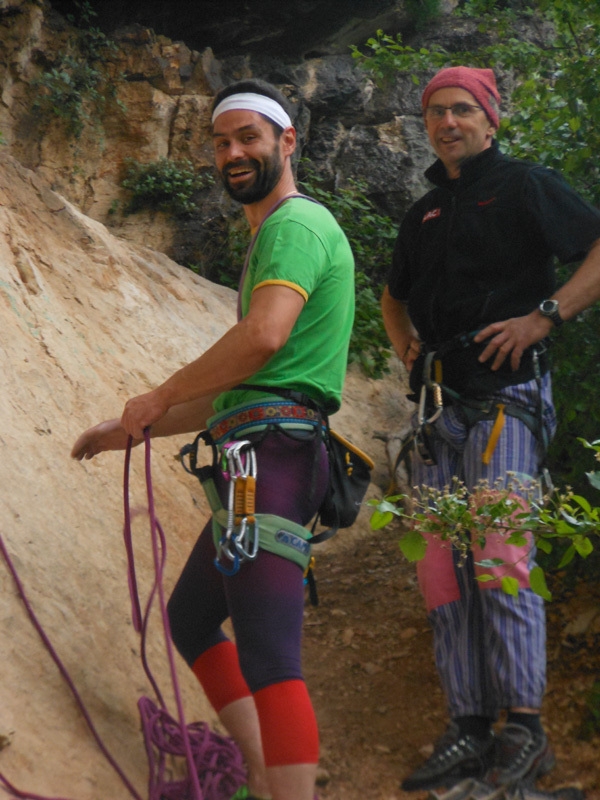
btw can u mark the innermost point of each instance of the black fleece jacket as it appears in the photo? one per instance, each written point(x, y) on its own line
point(480, 249)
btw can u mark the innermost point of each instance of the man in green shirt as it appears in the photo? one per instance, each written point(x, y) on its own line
point(296, 313)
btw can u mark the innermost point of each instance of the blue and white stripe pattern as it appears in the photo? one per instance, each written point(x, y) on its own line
point(490, 647)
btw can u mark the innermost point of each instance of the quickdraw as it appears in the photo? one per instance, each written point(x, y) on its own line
point(240, 540)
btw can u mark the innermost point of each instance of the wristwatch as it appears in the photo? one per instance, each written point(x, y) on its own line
point(549, 308)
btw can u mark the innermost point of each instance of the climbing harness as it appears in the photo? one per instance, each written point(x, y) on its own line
point(431, 404)
point(238, 531)
point(239, 542)
point(349, 467)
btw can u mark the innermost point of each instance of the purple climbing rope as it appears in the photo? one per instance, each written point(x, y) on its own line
point(36, 624)
point(213, 759)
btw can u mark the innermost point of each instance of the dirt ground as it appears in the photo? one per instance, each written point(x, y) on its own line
point(369, 666)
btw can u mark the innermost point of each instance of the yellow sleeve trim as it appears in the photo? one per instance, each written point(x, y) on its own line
point(289, 284)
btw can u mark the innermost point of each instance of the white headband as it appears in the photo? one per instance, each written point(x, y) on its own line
point(249, 101)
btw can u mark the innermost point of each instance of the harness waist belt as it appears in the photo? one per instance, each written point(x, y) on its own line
point(256, 417)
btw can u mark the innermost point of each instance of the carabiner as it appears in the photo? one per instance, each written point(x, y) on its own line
point(240, 542)
point(433, 386)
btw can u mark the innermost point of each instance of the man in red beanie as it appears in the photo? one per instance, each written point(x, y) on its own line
point(470, 301)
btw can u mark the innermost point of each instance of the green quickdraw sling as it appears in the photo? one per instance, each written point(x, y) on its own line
point(238, 531)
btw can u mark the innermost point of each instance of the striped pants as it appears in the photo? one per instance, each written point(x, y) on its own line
point(490, 647)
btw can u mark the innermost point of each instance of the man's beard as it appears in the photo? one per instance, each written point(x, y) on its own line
point(266, 178)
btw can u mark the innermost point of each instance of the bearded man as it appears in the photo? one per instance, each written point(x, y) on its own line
point(296, 307)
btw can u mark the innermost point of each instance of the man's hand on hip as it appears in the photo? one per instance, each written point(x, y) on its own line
point(510, 338)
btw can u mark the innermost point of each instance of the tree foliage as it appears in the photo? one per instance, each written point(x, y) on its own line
point(554, 119)
point(76, 86)
point(164, 185)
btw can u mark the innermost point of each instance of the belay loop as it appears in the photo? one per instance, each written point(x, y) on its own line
point(240, 541)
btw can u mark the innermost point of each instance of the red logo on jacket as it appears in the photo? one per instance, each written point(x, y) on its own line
point(435, 212)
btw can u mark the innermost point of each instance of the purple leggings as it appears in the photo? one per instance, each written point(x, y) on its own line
point(265, 599)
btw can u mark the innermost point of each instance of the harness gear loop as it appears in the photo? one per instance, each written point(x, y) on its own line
point(431, 390)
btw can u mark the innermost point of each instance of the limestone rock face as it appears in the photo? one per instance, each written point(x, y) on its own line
point(86, 321)
point(158, 98)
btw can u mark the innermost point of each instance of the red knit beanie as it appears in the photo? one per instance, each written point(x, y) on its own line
point(481, 83)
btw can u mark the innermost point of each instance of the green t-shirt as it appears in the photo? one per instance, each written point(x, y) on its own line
point(302, 246)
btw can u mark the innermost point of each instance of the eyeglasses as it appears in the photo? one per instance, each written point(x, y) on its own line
point(458, 110)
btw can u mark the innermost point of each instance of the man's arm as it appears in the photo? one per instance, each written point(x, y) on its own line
point(513, 336)
point(239, 354)
point(110, 434)
point(399, 328)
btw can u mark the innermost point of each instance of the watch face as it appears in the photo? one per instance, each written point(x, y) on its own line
point(549, 306)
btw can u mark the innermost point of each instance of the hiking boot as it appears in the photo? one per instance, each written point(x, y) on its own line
point(454, 757)
point(520, 755)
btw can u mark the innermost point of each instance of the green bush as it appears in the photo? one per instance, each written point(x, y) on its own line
point(369, 342)
point(75, 88)
point(164, 185)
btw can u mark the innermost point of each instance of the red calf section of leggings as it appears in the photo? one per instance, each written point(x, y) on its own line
point(218, 671)
point(288, 724)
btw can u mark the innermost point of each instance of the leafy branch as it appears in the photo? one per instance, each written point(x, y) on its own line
point(516, 511)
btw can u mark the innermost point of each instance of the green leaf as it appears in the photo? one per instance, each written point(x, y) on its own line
point(485, 577)
point(594, 479)
point(490, 563)
point(379, 519)
point(544, 545)
point(568, 556)
point(413, 545)
point(583, 546)
point(581, 501)
point(517, 538)
point(537, 581)
point(510, 585)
